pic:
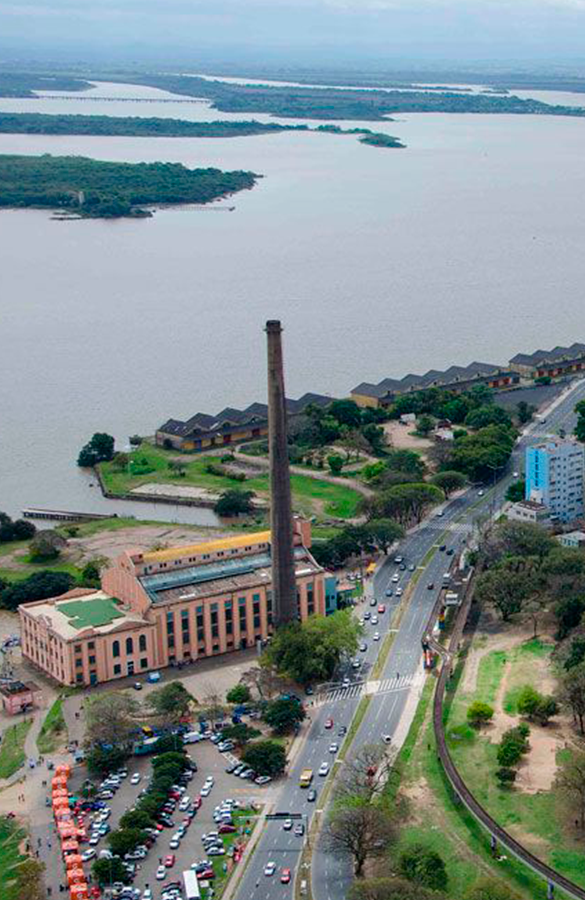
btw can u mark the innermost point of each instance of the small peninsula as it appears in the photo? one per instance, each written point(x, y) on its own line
point(89, 188)
point(137, 126)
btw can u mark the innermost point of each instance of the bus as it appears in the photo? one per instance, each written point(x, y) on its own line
point(306, 778)
point(191, 885)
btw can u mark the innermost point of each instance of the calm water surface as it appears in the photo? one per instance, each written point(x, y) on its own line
point(467, 245)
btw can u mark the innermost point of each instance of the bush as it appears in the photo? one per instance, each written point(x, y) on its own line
point(513, 745)
point(423, 866)
point(491, 889)
point(335, 463)
point(46, 545)
point(536, 706)
point(238, 694)
point(234, 503)
point(479, 713)
point(505, 775)
point(265, 757)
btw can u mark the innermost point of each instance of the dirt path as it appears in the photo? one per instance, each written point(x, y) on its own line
point(261, 462)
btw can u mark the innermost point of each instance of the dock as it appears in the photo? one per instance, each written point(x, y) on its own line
point(33, 512)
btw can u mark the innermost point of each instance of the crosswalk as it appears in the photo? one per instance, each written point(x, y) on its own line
point(361, 688)
point(452, 527)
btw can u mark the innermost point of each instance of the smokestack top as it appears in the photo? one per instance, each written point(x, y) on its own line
point(273, 326)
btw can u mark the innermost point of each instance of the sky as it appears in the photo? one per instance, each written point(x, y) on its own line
point(299, 32)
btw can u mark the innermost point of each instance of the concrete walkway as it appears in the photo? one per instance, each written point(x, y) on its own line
point(261, 462)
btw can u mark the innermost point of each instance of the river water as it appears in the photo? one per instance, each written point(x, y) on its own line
point(466, 245)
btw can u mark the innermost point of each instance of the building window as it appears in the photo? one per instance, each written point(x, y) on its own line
point(91, 645)
point(143, 663)
point(229, 617)
point(79, 678)
point(142, 642)
point(214, 621)
point(116, 648)
point(92, 660)
point(242, 611)
point(129, 646)
point(78, 663)
point(78, 648)
point(200, 624)
point(310, 599)
point(117, 669)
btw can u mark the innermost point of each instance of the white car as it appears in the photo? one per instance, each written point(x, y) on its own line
point(374, 620)
point(396, 577)
point(185, 803)
point(270, 868)
point(324, 769)
point(399, 592)
point(205, 790)
point(209, 780)
point(376, 636)
point(175, 842)
point(94, 839)
point(135, 778)
point(88, 854)
point(287, 824)
point(333, 748)
point(387, 738)
point(480, 493)
point(147, 893)
point(161, 873)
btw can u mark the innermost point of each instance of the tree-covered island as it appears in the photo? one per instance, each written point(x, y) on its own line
point(90, 188)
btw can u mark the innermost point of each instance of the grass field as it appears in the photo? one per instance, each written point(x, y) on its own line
point(12, 748)
point(10, 857)
point(53, 731)
point(24, 566)
point(149, 464)
point(241, 818)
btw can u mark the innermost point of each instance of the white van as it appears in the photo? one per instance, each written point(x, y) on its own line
point(191, 737)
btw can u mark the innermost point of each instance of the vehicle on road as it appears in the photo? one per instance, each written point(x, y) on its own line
point(373, 601)
point(147, 893)
point(450, 551)
point(270, 868)
point(396, 577)
point(324, 769)
point(363, 647)
point(342, 730)
point(285, 876)
point(334, 747)
point(374, 620)
point(480, 493)
point(307, 774)
point(398, 560)
point(399, 592)
point(381, 609)
point(328, 723)
point(137, 686)
point(161, 873)
point(135, 778)
point(299, 829)
point(387, 738)
point(376, 636)
point(287, 825)
point(411, 567)
point(311, 796)
point(262, 779)
point(389, 592)
point(356, 664)
point(169, 860)
point(430, 586)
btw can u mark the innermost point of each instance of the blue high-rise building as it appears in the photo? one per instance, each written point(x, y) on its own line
point(554, 477)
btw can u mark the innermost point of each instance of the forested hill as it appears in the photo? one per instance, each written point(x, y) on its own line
point(337, 103)
point(91, 188)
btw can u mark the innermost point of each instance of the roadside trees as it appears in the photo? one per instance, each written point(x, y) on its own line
point(516, 491)
point(363, 776)
point(505, 590)
point(283, 714)
point(171, 702)
point(101, 762)
point(125, 840)
point(384, 532)
point(361, 831)
point(240, 693)
point(406, 503)
point(449, 481)
point(265, 757)
point(570, 782)
point(135, 818)
point(479, 714)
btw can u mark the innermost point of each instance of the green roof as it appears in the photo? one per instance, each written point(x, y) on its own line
point(91, 613)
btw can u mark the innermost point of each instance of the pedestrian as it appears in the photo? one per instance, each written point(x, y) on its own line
point(48, 845)
point(397, 675)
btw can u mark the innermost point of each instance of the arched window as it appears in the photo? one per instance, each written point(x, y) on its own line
point(142, 642)
point(129, 646)
point(116, 648)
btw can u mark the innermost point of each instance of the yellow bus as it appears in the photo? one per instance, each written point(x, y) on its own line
point(306, 778)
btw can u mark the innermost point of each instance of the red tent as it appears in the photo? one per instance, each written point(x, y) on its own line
point(70, 846)
point(63, 769)
point(76, 876)
point(78, 891)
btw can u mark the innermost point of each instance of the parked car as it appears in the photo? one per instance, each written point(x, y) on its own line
point(169, 860)
point(135, 778)
point(161, 873)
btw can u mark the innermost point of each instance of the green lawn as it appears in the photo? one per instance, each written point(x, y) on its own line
point(10, 857)
point(53, 731)
point(150, 464)
point(240, 818)
point(12, 748)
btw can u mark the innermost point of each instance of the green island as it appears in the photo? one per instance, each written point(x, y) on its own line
point(25, 84)
point(338, 103)
point(135, 126)
point(89, 188)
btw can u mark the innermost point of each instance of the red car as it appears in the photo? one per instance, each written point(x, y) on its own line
point(285, 876)
point(207, 875)
point(169, 860)
point(381, 608)
point(159, 827)
point(329, 723)
point(226, 829)
point(197, 802)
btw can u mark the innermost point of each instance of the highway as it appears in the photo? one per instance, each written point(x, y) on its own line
point(402, 673)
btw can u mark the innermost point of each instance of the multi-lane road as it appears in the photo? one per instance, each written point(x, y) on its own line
point(401, 677)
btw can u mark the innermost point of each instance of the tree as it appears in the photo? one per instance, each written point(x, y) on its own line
point(135, 818)
point(263, 679)
point(487, 415)
point(423, 866)
point(406, 461)
point(363, 776)
point(569, 613)
point(513, 745)
point(240, 693)
point(362, 832)
point(310, 651)
point(30, 883)
point(283, 714)
point(108, 871)
point(449, 481)
point(388, 889)
point(90, 574)
point(102, 761)
point(506, 776)
point(424, 425)
point(384, 532)
point(124, 840)
point(46, 545)
point(172, 702)
point(524, 412)
point(573, 694)
point(570, 783)
point(109, 718)
point(346, 412)
point(517, 539)
point(20, 530)
point(36, 587)
point(491, 889)
point(335, 463)
point(240, 734)
point(479, 713)
point(536, 706)
point(265, 757)
point(99, 449)
point(235, 503)
point(516, 491)
point(504, 589)
point(375, 436)
point(406, 503)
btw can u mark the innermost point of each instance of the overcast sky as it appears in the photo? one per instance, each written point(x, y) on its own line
point(302, 31)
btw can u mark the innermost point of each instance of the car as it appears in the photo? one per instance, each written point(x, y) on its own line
point(396, 577)
point(328, 723)
point(411, 567)
point(480, 493)
point(161, 873)
point(374, 620)
point(442, 548)
point(169, 860)
point(185, 803)
point(440, 514)
point(248, 774)
point(356, 664)
point(287, 825)
point(363, 647)
point(398, 560)
point(209, 780)
point(299, 829)
point(311, 796)
point(262, 779)
point(342, 730)
point(216, 850)
point(367, 615)
point(376, 636)
point(206, 874)
point(135, 778)
point(450, 551)
point(373, 601)
point(381, 609)
point(95, 839)
point(324, 769)
point(147, 893)
point(88, 854)
point(387, 738)
point(334, 747)
point(270, 868)
point(431, 586)
point(197, 802)
point(402, 567)
point(389, 592)
point(399, 592)
point(285, 876)
point(239, 768)
point(175, 842)
point(231, 768)
point(205, 790)
point(346, 682)
point(209, 835)
point(122, 773)
point(106, 794)
point(227, 828)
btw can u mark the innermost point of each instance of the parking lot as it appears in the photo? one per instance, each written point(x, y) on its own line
point(209, 762)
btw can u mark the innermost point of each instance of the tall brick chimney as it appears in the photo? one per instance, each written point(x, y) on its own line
point(284, 589)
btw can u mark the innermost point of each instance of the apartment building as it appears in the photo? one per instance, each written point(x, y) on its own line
point(554, 477)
